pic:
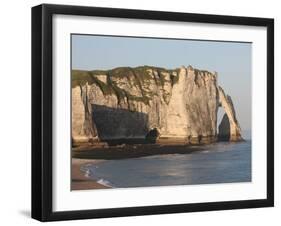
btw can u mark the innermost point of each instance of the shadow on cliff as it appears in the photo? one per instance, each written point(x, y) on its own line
point(121, 126)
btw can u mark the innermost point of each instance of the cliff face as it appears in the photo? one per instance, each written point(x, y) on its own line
point(131, 102)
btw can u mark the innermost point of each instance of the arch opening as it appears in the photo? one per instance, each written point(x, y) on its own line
point(152, 135)
point(224, 129)
point(223, 125)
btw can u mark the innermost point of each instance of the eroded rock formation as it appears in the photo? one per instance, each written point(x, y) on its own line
point(229, 128)
point(126, 103)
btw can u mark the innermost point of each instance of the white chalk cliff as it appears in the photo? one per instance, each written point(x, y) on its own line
point(125, 103)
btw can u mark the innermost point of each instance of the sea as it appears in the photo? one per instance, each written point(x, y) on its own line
point(222, 162)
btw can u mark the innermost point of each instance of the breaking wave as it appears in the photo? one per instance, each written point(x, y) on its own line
point(105, 183)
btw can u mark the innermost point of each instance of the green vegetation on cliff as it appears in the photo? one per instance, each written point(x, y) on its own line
point(139, 77)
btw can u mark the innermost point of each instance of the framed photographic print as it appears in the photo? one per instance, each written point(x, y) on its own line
point(145, 112)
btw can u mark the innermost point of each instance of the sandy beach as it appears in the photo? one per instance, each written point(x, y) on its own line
point(89, 154)
point(79, 180)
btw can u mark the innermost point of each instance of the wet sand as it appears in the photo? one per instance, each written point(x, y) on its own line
point(79, 181)
point(131, 151)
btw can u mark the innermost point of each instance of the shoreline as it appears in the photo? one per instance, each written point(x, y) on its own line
point(93, 154)
point(89, 154)
point(78, 180)
point(124, 151)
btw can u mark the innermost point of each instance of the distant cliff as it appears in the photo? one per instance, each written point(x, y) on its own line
point(125, 103)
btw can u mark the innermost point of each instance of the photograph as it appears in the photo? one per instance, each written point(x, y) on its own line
point(149, 111)
point(146, 111)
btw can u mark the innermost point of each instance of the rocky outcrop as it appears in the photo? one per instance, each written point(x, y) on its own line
point(229, 128)
point(83, 127)
point(193, 106)
point(126, 103)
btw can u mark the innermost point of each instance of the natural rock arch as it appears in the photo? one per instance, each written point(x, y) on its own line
point(229, 129)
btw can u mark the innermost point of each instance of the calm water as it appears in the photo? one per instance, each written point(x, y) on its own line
point(217, 163)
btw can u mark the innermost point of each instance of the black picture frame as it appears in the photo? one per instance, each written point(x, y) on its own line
point(42, 107)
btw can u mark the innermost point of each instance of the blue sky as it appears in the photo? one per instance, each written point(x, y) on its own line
point(232, 61)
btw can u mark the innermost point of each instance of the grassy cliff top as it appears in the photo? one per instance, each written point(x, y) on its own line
point(111, 82)
point(141, 72)
point(139, 75)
